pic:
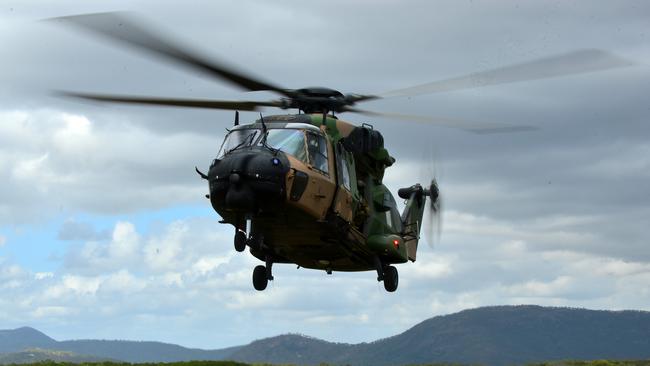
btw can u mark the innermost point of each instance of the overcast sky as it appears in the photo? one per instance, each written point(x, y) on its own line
point(105, 233)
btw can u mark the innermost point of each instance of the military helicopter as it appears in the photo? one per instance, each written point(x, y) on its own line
point(306, 188)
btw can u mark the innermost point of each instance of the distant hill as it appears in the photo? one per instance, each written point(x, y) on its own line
point(15, 340)
point(496, 336)
point(520, 334)
point(38, 355)
point(501, 335)
point(131, 351)
point(296, 349)
point(18, 340)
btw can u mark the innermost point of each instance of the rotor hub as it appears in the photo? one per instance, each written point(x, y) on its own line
point(317, 100)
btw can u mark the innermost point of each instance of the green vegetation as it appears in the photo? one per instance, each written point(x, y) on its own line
point(595, 363)
point(233, 363)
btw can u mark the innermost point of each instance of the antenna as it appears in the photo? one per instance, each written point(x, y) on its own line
point(236, 118)
point(263, 130)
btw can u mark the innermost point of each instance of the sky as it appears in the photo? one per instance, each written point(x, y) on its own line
point(105, 232)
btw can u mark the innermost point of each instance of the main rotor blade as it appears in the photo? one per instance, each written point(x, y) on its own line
point(173, 102)
point(125, 29)
point(475, 127)
point(576, 62)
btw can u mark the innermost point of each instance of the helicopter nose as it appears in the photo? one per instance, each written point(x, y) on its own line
point(234, 179)
point(248, 181)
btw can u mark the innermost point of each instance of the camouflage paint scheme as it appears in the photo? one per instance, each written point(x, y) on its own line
point(331, 227)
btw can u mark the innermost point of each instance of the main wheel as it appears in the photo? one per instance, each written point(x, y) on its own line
point(391, 279)
point(240, 241)
point(259, 278)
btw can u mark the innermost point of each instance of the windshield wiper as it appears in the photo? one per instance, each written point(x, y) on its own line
point(265, 134)
point(250, 137)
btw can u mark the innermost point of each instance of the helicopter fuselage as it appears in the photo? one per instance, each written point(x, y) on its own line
point(303, 195)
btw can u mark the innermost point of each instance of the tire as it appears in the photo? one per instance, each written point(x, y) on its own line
point(259, 278)
point(240, 241)
point(391, 279)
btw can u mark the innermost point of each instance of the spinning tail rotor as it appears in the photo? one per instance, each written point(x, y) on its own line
point(434, 216)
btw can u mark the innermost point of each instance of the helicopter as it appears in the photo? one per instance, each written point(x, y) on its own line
point(307, 188)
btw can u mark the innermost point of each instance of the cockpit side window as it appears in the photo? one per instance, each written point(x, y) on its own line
point(317, 148)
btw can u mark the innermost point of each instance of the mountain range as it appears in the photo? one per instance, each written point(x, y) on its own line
point(499, 335)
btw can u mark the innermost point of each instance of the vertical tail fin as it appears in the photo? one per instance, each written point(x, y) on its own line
point(412, 217)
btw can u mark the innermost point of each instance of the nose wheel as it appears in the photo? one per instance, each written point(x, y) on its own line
point(240, 241)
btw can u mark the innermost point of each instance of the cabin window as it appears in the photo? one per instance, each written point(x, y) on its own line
point(237, 139)
point(289, 141)
point(345, 176)
point(389, 219)
point(343, 168)
point(393, 218)
point(317, 147)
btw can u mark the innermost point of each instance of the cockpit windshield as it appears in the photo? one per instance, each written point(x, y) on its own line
point(238, 138)
point(290, 141)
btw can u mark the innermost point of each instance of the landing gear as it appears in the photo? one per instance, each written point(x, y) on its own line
point(240, 241)
point(262, 275)
point(243, 236)
point(391, 279)
point(260, 280)
point(388, 274)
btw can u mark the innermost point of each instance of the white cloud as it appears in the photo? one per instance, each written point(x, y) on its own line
point(50, 311)
point(200, 279)
point(165, 252)
point(53, 160)
point(122, 282)
point(121, 251)
point(43, 275)
point(82, 285)
point(208, 264)
point(557, 287)
point(125, 242)
point(438, 267)
point(352, 320)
